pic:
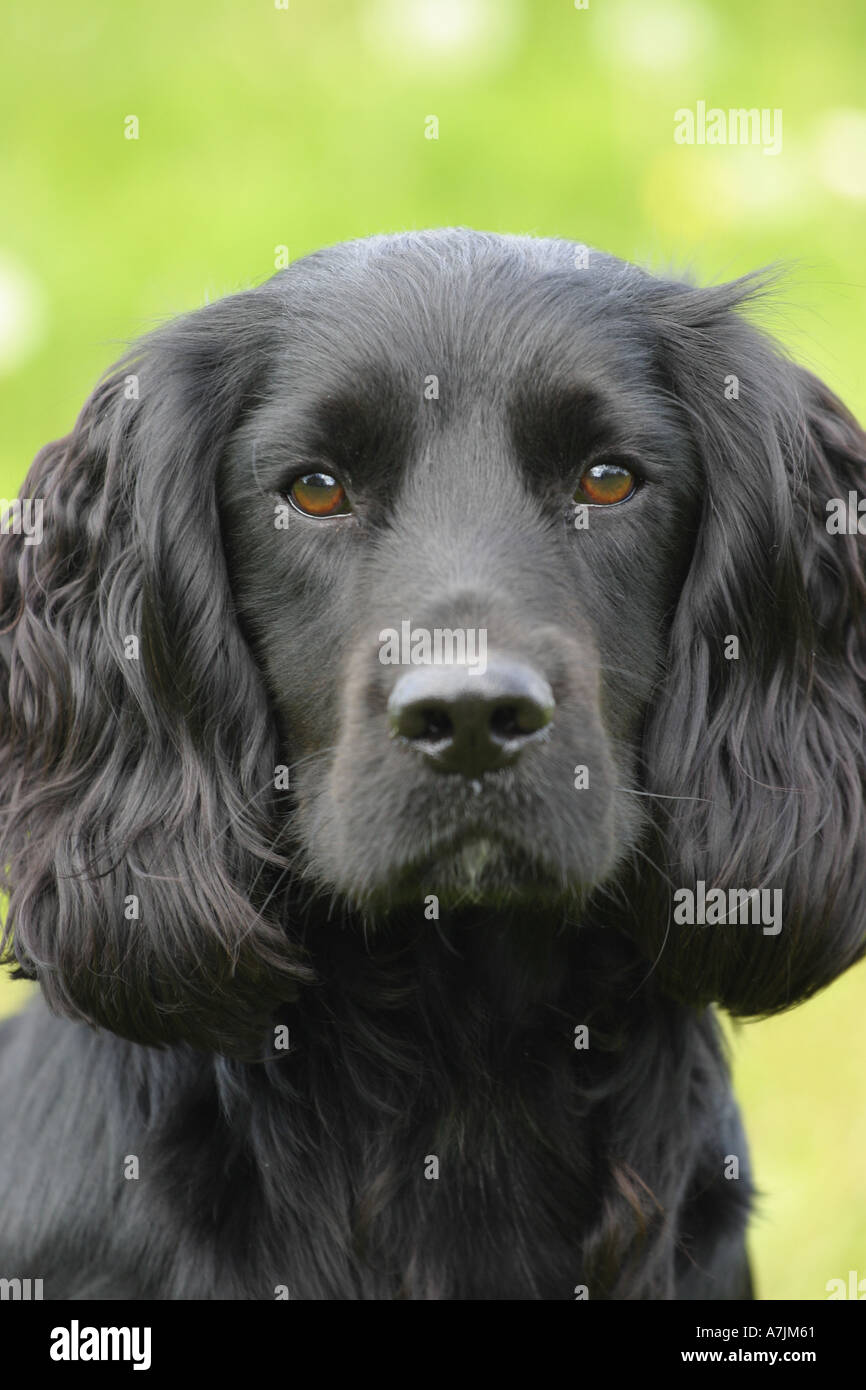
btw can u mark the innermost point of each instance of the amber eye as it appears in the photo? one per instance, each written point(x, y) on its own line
point(318, 494)
point(606, 483)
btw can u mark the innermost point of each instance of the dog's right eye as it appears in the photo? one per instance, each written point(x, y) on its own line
point(319, 494)
point(606, 484)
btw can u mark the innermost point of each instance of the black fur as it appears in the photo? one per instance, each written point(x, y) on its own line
point(146, 781)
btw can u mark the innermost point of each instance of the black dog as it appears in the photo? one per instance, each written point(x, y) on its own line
point(415, 646)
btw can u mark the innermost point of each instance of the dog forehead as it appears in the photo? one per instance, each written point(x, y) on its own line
point(438, 313)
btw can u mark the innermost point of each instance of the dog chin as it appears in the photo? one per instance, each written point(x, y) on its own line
point(480, 872)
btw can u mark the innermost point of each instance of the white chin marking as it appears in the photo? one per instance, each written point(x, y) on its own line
point(473, 859)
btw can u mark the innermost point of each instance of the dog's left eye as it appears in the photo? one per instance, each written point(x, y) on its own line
point(605, 484)
point(319, 494)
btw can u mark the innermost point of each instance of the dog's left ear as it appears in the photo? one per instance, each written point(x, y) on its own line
point(760, 725)
point(140, 825)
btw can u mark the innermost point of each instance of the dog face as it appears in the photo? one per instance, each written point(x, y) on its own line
point(593, 477)
point(539, 505)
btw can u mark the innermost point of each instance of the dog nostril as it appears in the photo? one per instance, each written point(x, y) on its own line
point(428, 723)
point(504, 722)
point(518, 720)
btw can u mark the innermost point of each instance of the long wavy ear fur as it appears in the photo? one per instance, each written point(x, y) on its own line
point(768, 748)
point(137, 749)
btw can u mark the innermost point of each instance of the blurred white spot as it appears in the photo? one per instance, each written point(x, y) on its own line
point(22, 314)
point(655, 34)
point(763, 190)
point(475, 33)
point(840, 151)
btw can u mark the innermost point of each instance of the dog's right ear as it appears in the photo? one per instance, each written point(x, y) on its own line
point(139, 833)
point(756, 741)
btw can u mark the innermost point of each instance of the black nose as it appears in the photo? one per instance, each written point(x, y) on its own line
point(470, 723)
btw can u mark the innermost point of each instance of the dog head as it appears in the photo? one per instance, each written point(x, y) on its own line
point(411, 576)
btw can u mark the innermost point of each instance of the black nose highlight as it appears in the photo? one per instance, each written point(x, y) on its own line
point(470, 724)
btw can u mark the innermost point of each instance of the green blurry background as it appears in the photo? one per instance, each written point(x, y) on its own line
point(261, 127)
